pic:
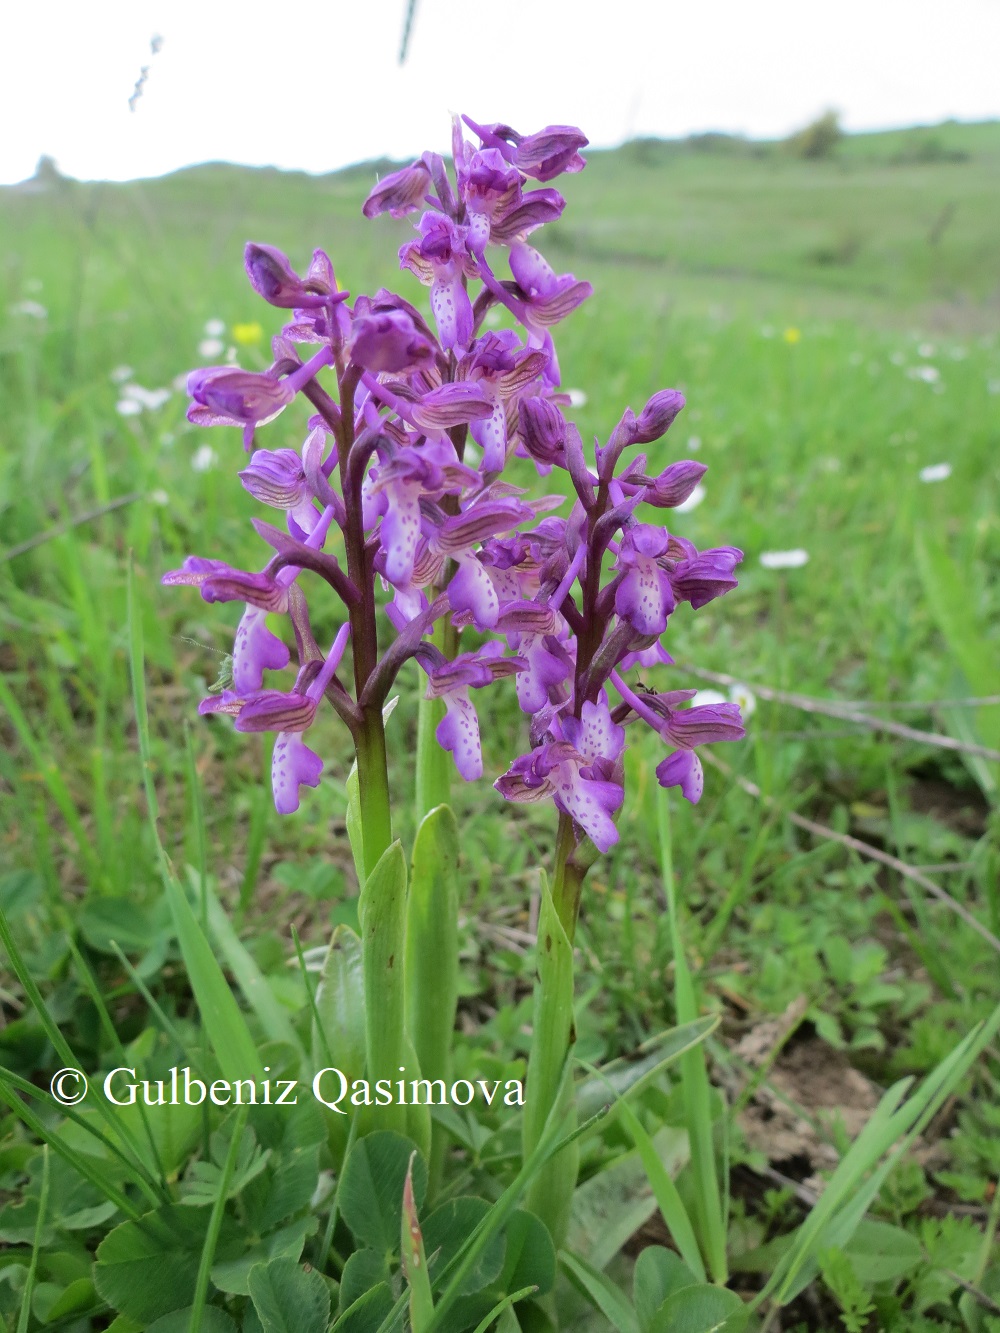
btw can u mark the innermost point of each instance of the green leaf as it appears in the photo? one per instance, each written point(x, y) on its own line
point(107, 921)
point(147, 1268)
point(355, 826)
point(551, 1192)
point(658, 1274)
point(288, 1299)
point(364, 1270)
point(203, 1180)
point(340, 1006)
point(213, 1320)
point(382, 911)
point(530, 1258)
point(232, 1274)
point(631, 1076)
point(371, 1188)
point(700, 1309)
point(79, 1295)
point(447, 1230)
point(368, 1313)
point(611, 1206)
point(601, 1292)
point(20, 890)
point(880, 1252)
point(432, 942)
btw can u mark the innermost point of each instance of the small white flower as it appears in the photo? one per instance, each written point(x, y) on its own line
point(232, 356)
point(708, 697)
point(766, 331)
point(692, 502)
point(204, 458)
point(929, 374)
point(121, 374)
point(958, 353)
point(128, 407)
point(694, 443)
point(167, 438)
point(926, 350)
point(993, 386)
point(180, 382)
point(215, 328)
point(210, 347)
point(494, 317)
point(897, 358)
point(33, 285)
point(784, 559)
point(150, 399)
point(30, 308)
point(744, 698)
point(159, 498)
point(936, 472)
point(856, 358)
point(577, 398)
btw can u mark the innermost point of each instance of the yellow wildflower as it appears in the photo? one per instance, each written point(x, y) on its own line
point(247, 335)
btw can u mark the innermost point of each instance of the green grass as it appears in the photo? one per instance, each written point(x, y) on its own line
point(798, 305)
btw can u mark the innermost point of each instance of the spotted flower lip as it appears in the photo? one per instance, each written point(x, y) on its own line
point(644, 597)
point(450, 681)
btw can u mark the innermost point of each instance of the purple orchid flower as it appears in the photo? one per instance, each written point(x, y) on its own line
point(458, 730)
point(502, 369)
point(542, 156)
point(440, 259)
point(644, 596)
point(574, 769)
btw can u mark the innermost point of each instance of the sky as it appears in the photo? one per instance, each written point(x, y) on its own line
point(317, 85)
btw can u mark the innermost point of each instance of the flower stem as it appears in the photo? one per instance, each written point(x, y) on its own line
point(373, 780)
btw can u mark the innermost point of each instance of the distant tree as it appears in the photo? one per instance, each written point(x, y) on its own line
point(818, 139)
point(46, 171)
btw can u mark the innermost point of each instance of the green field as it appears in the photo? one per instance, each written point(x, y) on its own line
point(834, 327)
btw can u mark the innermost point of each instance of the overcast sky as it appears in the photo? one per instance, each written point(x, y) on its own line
point(316, 85)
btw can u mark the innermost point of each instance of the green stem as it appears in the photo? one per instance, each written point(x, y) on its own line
point(433, 782)
point(373, 781)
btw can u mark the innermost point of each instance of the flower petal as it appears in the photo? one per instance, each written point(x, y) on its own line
point(293, 765)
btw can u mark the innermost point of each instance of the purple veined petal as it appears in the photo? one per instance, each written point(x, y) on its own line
point(274, 710)
point(452, 310)
point(276, 477)
point(484, 519)
point(703, 724)
point(293, 765)
point(709, 574)
point(244, 396)
point(529, 365)
point(451, 405)
point(458, 732)
point(471, 589)
point(531, 777)
point(682, 769)
point(536, 208)
point(400, 192)
point(256, 649)
point(590, 802)
point(229, 702)
point(553, 306)
point(490, 433)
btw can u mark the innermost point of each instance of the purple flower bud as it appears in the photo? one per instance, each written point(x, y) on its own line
point(658, 415)
point(674, 484)
point(543, 430)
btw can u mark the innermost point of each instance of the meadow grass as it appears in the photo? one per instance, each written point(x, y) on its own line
point(833, 326)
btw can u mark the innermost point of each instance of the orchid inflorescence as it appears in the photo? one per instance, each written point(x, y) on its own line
point(567, 604)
